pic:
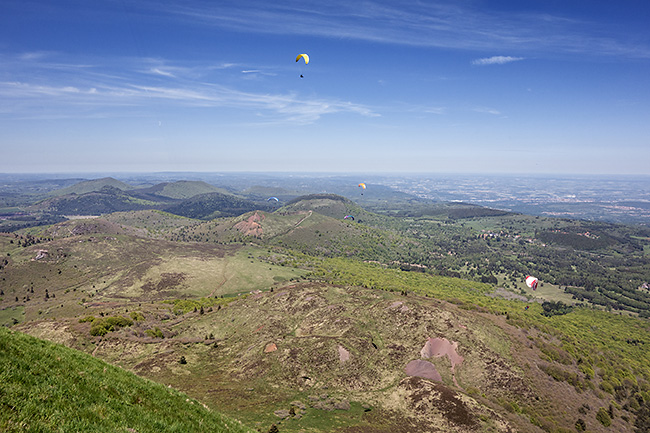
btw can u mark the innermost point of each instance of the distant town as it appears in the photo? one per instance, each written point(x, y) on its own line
point(622, 199)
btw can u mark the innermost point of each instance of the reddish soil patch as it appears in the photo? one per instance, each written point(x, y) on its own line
point(344, 355)
point(437, 347)
point(271, 347)
point(423, 369)
point(251, 226)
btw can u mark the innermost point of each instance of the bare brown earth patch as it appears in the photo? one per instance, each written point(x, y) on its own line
point(437, 347)
point(423, 369)
point(251, 226)
point(344, 355)
point(168, 281)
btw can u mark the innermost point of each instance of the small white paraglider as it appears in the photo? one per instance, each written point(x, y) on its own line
point(532, 282)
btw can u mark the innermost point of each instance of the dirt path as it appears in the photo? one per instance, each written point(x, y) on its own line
point(299, 222)
point(223, 278)
point(97, 348)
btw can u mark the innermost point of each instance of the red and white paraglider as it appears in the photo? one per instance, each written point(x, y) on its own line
point(531, 282)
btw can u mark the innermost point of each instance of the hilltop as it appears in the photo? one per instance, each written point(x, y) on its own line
point(213, 205)
point(181, 189)
point(184, 198)
point(331, 205)
point(92, 186)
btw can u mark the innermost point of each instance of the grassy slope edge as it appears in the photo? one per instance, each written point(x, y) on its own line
point(48, 387)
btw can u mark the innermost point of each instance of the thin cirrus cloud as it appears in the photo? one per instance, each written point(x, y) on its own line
point(442, 24)
point(52, 87)
point(74, 92)
point(158, 71)
point(486, 110)
point(496, 60)
point(74, 101)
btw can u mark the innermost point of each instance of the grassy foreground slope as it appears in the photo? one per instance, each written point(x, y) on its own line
point(48, 387)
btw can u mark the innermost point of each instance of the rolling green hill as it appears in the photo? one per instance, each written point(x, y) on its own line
point(49, 387)
point(330, 205)
point(92, 186)
point(181, 190)
point(212, 205)
point(106, 200)
point(154, 223)
point(305, 225)
point(260, 192)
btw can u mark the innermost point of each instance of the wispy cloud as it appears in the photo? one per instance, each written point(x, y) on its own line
point(257, 73)
point(436, 23)
point(158, 71)
point(34, 55)
point(487, 110)
point(81, 96)
point(496, 60)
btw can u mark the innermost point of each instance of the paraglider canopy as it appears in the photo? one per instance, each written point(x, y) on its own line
point(531, 282)
point(305, 57)
point(272, 198)
point(362, 186)
point(348, 217)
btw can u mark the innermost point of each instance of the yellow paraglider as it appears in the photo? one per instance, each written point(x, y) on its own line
point(362, 186)
point(303, 56)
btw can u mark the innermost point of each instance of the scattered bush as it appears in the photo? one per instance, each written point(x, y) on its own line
point(137, 316)
point(155, 333)
point(642, 423)
point(105, 325)
point(555, 308)
point(607, 387)
point(603, 417)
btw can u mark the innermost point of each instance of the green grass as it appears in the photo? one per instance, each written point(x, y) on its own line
point(155, 222)
point(182, 306)
point(209, 275)
point(545, 291)
point(7, 315)
point(48, 387)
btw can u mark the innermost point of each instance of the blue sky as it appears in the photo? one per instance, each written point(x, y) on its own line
point(472, 86)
